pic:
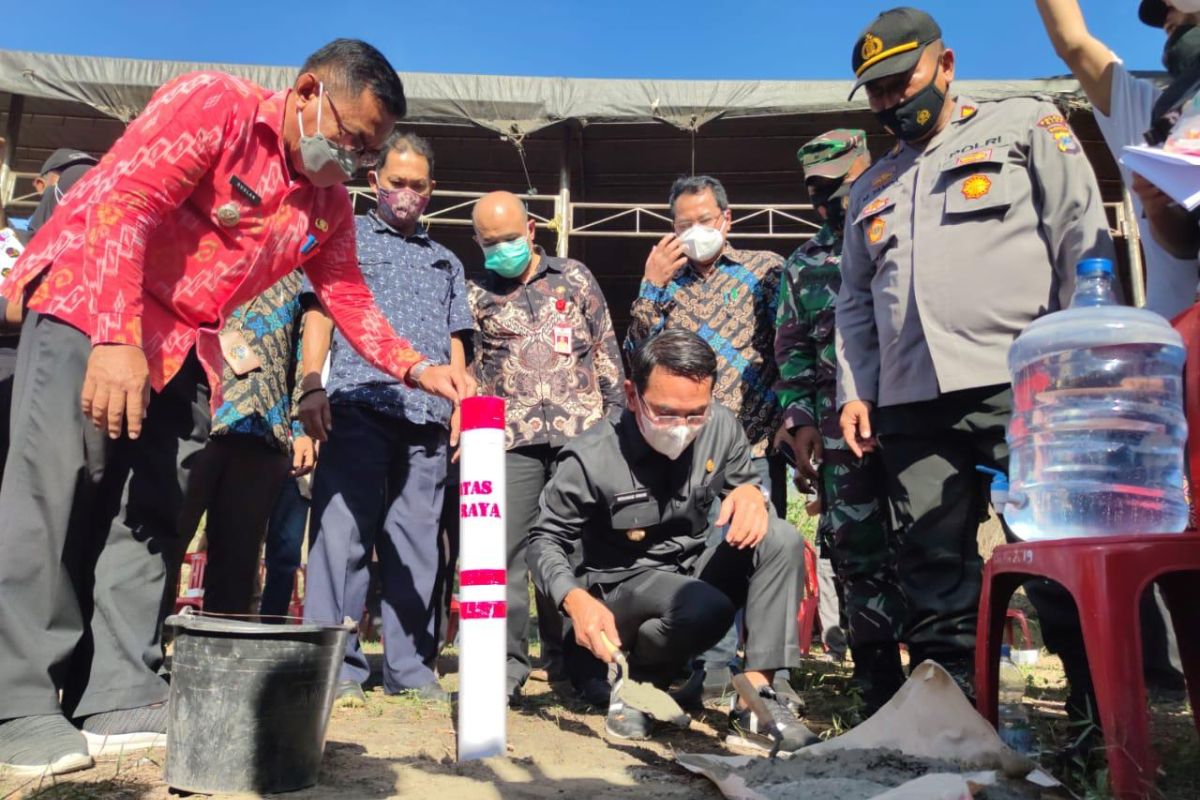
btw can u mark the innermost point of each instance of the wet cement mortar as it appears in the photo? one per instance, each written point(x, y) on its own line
point(861, 775)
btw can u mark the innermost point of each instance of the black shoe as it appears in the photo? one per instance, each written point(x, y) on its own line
point(512, 690)
point(114, 732)
point(431, 692)
point(624, 722)
point(43, 745)
point(690, 695)
point(745, 723)
point(349, 694)
point(596, 692)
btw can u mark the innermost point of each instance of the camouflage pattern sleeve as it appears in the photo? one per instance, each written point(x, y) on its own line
point(795, 352)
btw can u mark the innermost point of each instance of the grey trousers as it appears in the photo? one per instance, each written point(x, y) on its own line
point(378, 488)
point(833, 628)
point(89, 527)
point(666, 618)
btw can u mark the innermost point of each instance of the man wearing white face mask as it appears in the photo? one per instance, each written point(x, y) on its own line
point(383, 469)
point(696, 282)
point(636, 491)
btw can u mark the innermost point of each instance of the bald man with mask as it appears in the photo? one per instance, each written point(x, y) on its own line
point(544, 342)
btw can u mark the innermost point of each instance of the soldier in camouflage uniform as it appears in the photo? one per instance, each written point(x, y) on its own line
point(853, 530)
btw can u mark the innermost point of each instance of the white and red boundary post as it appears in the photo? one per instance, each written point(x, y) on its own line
point(482, 704)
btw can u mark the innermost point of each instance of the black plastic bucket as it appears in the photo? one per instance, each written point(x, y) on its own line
point(249, 703)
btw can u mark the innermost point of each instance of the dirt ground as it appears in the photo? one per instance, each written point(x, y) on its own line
point(399, 747)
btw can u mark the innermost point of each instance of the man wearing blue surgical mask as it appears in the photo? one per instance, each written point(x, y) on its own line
point(544, 342)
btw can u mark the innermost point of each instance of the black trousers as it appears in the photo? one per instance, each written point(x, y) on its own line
point(666, 618)
point(236, 481)
point(90, 527)
point(930, 450)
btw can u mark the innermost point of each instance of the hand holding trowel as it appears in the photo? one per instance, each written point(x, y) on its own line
point(644, 697)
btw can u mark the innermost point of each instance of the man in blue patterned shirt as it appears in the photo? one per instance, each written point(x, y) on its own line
point(385, 457)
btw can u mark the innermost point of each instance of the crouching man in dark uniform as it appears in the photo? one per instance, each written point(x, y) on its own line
point(636, 491)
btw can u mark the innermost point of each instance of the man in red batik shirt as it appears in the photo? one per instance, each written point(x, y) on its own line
point(214, 193)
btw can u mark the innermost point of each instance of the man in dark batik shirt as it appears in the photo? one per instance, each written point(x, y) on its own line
point(545, 344)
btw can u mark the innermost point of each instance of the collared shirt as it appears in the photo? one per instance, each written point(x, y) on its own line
point(550, 397)
point(155, 246)
point(609, 482)
point(953, 249)
point(418, 285)
point(804, 333)
point(733, 309)
point(259, 403)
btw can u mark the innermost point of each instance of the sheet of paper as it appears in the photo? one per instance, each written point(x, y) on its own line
point(1176, 174)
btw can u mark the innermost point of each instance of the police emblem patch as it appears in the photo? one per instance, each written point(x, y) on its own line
point(875, 231)
point(976, 186)
point(872, 46)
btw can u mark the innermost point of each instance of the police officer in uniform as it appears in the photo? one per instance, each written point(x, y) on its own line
point(636, 491)
point(964, 233)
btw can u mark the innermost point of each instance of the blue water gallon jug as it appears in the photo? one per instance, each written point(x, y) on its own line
point(1098, 433)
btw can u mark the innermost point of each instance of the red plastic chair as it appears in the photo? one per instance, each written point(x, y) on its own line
point(452, 621)
point(807, 616)
point(1106, 576)
point(192, 595)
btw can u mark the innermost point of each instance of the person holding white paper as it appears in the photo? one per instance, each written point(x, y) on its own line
point(1123, 105)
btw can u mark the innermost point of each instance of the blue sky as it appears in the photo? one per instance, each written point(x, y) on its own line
point(737, 39)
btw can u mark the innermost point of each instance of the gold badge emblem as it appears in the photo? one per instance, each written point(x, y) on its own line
point(872, 46)
point(321, 225)
point(923, 116)
point(875, 232)
point(635, 534)
point(708, 465)
point(228, 215)
point(976, 186)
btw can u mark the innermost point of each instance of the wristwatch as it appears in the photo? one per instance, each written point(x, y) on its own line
point(417, 370)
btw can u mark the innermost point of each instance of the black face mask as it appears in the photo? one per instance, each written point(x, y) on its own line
point(914, 119)
point(835, 207)
point(1182, 50)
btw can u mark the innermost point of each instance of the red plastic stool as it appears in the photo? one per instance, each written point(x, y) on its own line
point(1106, 576)
point(193, 595)
point(807, 616)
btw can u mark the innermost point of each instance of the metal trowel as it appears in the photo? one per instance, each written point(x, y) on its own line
point(645, 697)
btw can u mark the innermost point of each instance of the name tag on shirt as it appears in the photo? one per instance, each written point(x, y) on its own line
point(240, 357)
point(562, 339)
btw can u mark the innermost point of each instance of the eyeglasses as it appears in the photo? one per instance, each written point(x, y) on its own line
point(362, 154)
point(694, 421)
point(708, 221)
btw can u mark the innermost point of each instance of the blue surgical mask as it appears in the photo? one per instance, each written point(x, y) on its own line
point(508, 259)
